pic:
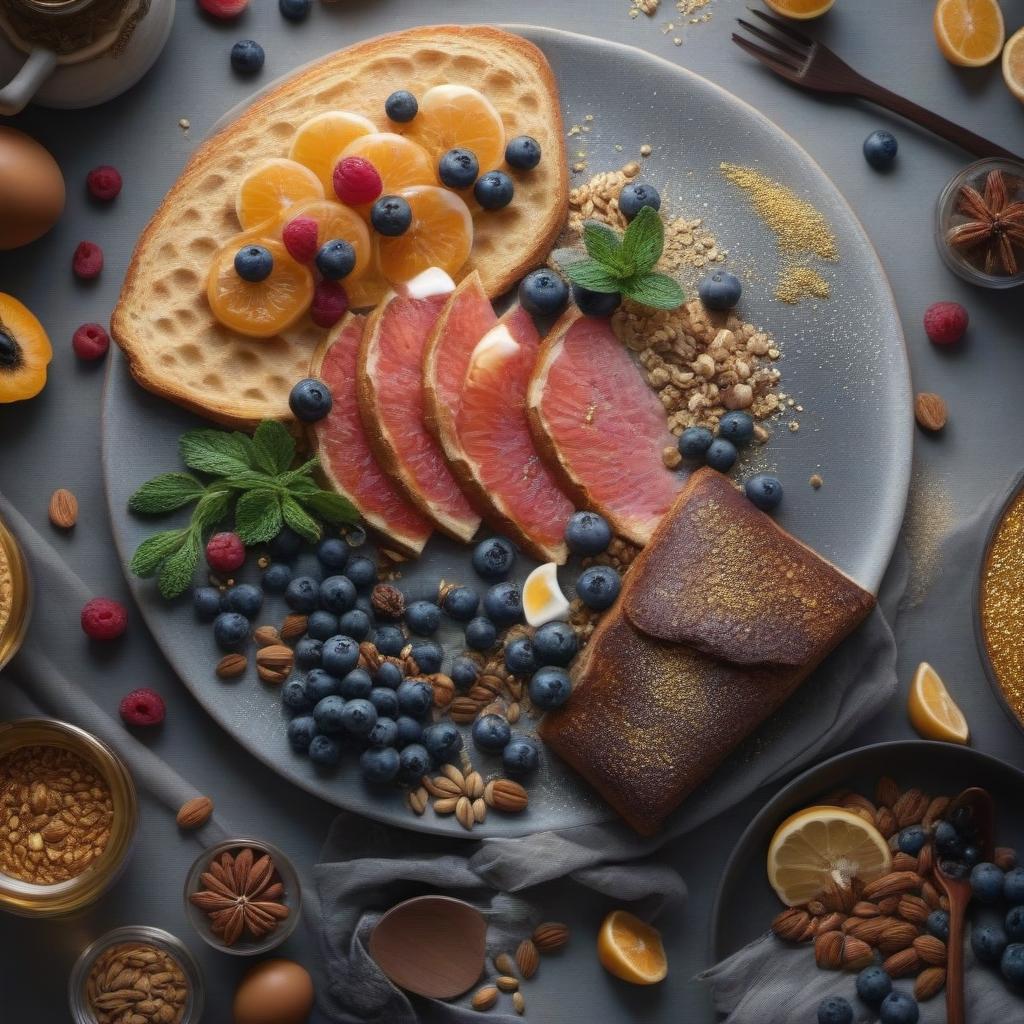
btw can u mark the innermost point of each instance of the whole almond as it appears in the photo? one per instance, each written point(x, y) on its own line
point(63, 509)
point(504, 964)
point(506, 795)
point(885, 822)
point(293, 627)
point(550, 935)
point(930, 411)
point(274, 677)
point(831, 922)
point(893, 884)
point(464, 813)
point(276, 658)
point(195, 812)
point(518, 1003)
point(897, 936)
point(926, 860)
point(900, 964)
point(444, 689)
point(931, 950)
point(1005, 858)
point(791, 924)
point(266, 636)
point(527, 958)
point(856, 954)
point(484, 998)
point(231, 666)
point(55, 832)
point(417, 800)
point(929, 983)
point(854, 801)
point(886, 791)
point(913, 909)
point(828, 950)
point(816, 908)
point(838, 897)
point(463, 710)
point(506, 983)
point(911, 807)
point(904, 862)
point(866, 909)
point(931, 895)
point(868, 929)
point(936, 809)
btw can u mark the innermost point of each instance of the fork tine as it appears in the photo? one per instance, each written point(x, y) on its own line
point(788, 30)
point(776, 64)
point(774, 40)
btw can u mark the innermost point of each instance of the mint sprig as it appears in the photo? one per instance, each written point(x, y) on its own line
point(255, 475)
point(626, 263)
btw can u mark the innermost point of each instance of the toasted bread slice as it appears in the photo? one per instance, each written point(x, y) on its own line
point(163, 322)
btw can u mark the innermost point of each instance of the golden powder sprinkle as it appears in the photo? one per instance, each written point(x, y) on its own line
point(797, 282)
point(928, 520)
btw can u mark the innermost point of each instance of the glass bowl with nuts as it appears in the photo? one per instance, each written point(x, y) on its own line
point(145, 971)
point(69, 811)
point(15, 595)
point(243, 896)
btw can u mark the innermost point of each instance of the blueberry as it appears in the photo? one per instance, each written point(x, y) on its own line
point(443, 740)
point(322, 625)
point(380, 764)
point(481, 634)
point(328, 713)
point(388, 675)
point(276, 578)
point(356, 684)
point(428, 656)
point(461, 603)
point(988, 942)
point(389, 640)
point(962, 819)
point(493, 559)
point(355, 624)
point(464, 671)
point(324, 751)
point(294, 10)
point(414, 763)
point(721, 455)
point(247, 58)
point(587, 533)
point(593, 303)
point(336, 259)
point(301, 732)
point(987, 883)
point(254, 263)
point(1012, 964)
point(308, 652)
point(899, 1008)
point(361, 571)
point(694, 443)
point(873, 985)
point(521, 756)
point(302, 594)
point(293, 695)
point(230, 630)
point(550, 688)
point(385, 700)
point(543, 293)
point(764, 491)
point(737, 427)
point(320, 684)
point(503, 604)
point(598, 586)
point(522, 152)
point(401, 106)
point(206, 601)
point(494, 190)
point(635, 196)
point(880, 149)
point(519, 656)
point(409, 730)
point(946, 838)
point(458, 168)
point(286, 544)
point(391, 216)
point(555, 643)
point(332, 553)
point(415, 698)
point(1015, 924)
point(491, 733)
point(955, 868)
point(1013, 887)
point(835, 1010)
point(423, 617)
point(337, 594)
point(972, 855)
point(720, 290)
point(339, 655)
point(937, 924)
point(358, 716)
point(310, 400)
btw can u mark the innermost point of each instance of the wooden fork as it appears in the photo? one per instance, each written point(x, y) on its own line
point(811, 65)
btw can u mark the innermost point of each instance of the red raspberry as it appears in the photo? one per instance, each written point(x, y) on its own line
point(357, 181)
point(104, 619)
point(224, 10)
point(945, 322)
point(104, 183)
point(88, 261)
point(330, 303)
point(225, 552)
point(142, 707)
point(90, 342)
point(301, 239)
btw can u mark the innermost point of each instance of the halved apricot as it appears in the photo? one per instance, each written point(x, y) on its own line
point(335, 220)
point(320, 141)
point(25, 351)
point(400, 162)
point(456, 116)
point(271, 187)
point(441, 235)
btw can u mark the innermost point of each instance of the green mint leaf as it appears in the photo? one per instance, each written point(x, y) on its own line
point(153, 550)
point(301, 475)
point(258, 516)
point(215, 451)
point(643, 241)
point(299, 519)
point(330, 506)
point(212, 508)
point(273, 447)
point(604, 245)
point(251, 480)
point(591, 275)
point(165, 493)
point(658, 291)
point(178, 568)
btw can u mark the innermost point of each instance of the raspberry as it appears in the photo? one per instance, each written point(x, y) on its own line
point(300, 237)
point(225, 552)
point(945, 322)
point(357, 181)
point(224, 10)
point(330, 303)
point(90, 342)
point(104, 619)
point(142, 707)
point(104, 183)
point(88, 261)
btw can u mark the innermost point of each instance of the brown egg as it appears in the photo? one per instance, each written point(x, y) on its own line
point(274, 992)
point(31, 189)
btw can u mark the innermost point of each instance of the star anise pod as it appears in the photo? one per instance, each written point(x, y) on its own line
point(994, 228)
point(242, 894)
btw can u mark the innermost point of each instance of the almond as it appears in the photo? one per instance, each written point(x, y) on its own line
point(463, 710)
point(828, 950)
point(484, 998)
point(926, 860)
point(791, 924)
point(550, 935)
point(900, 964)
point(506, 983)
point(838, 897)
point(929, 983)
point(893, 884)
point(1005, 858)
point(417, 800)
point(930, 411)
point(886, 792)
point(931, 950)
point(930, 895)
point(272, 676)
point(904, 862)
point(897, 936)
point(231, 666)
point(63, 509)
point(464, 813)
point(293, 626)
point(885, 822)
point(866, 909)
point(913, 909)
point(911, 807)
point(195, 812)
point(266, 636)
point(856, 954)
point(441, 787)
point(868, 929)
point(444, 689)
point(518, 1003)
point(504, 964)
point(527, 958)
point(55, 832)
point(936, 809)
point(830, 922)
point(888, 905)
point(506, 795)
point(276, 658)
point(854, 801)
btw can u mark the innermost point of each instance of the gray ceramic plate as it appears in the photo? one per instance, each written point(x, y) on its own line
point(844, 362)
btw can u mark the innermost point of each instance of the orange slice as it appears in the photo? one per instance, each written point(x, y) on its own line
point(933, 713)
point(631, 949)
point(320, 140)
point(819, 846)
point(441, 235)
point(800, 9)
point(453, 116)
point(400, 162)
point(271, 187)
point(258, 309)
point(335, 220)
point(371, 287)
point(1013, 64)
point(970, 33)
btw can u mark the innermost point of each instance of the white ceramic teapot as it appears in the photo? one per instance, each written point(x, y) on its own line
point(77, 53)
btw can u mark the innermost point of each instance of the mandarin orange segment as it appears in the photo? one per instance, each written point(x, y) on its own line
point(271, 187)
point(400, 162)
point(441, 235)
point(335, 220)
point(369, 289)
point(456, 116)
point(258, 309)
point(320, 140)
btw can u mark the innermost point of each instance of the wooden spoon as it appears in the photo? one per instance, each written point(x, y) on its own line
point(957, 887)
point(433, 946)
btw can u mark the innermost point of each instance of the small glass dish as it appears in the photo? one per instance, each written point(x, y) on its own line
point(977, 258)
point(284, 873)
point(136, 935)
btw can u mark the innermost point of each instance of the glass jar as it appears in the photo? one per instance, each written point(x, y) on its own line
point(34, 899)
point(977, 257)
point(78, 999)
point(15, 595)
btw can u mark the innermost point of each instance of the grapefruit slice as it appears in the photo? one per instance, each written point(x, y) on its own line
point(600, 427)
point(344, 448)
point(390, 390)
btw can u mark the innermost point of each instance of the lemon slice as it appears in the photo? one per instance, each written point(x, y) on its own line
point(800, 9)
point(970, 33)
point(631, 949)
point(933, 713)
point(1013, 64)
point(819, 846)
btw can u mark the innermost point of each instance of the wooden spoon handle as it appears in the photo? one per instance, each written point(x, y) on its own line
point(955, 963)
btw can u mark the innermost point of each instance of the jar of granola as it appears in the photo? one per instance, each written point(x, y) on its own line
point(15, 596)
